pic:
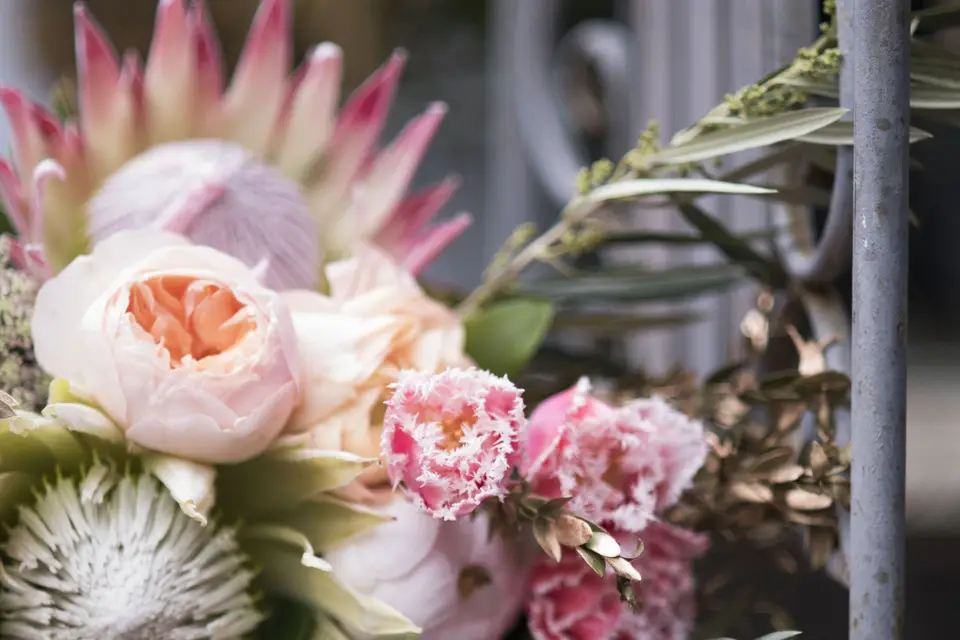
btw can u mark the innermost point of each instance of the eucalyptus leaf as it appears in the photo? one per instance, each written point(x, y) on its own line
point(935, 19)
point(641, 286)
point(504, 336)
point(681, 239)
point(939, 73)
point(627, 189)
point(615, 324)
point(780, 635)
point(739, 252)
point(921, 97)
point(761, 132)
point(841, 134)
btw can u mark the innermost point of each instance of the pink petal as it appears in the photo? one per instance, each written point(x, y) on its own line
point(403, 226)
point(312, 112)
point(44, 171)
point(169, 81)
point(434, 242)
point(253, 102)
point(12, 198)
point(29, 146)
point(394, 168)
point(209, 72)
point(356, 132)
point(98, 72)
point(64, 202)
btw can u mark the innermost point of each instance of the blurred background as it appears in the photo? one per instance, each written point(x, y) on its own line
point(537, 88)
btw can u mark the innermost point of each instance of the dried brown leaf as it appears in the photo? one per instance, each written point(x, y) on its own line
point(624, 568)
point(785, 474)
point(571, 531)
point(772, 459)
point(806, 500)
point(546, 537)
point(790, 415)
point(819, 461)
point(811, 520)
point(753, 492)
point(603, 544)
point(820, 543)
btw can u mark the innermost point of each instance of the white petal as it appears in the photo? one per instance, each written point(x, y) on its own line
point(190, 484)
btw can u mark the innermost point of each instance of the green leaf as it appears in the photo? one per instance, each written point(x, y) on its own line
point(641, 286)
point(627, 189)
point(594, 560)
point(939, 73)
point(328, 522)
point(750, 135)
point(14, 488)
point(504, 336)
point(780, 635)
point(739, 252)
point(921, 97)
point(289, 620)
point(680, 239)
point(841, 134)
point(615, 324)
point(280, 480)
point(282, 574)
point(935, 19)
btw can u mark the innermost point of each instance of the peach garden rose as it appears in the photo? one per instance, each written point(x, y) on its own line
point(179, 344)
point(375, 322)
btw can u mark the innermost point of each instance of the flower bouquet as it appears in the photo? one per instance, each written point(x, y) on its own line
point(231, 410)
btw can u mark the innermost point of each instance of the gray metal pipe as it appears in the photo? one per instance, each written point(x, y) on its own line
point(880, 230)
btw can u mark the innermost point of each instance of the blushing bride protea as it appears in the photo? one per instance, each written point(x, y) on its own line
point(94, 544)
point(265, 170)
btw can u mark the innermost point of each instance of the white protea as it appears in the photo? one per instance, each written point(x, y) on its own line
point(275, 512)
point(105, 556)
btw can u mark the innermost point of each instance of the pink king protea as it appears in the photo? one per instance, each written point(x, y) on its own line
point(265, 170)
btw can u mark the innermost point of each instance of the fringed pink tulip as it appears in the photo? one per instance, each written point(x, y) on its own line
point(451, 438)
point(264, 169)
point(571, 602)
point(620, 464)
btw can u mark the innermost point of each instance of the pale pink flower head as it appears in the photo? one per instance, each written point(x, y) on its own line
point(451, 438)
point(263, 164)
point(667, 592)
point(621, 465)
point(570, 602)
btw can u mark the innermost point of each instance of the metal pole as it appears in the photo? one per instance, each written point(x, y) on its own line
point(880, 228)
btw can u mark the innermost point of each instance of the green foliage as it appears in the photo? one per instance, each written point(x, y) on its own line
point(505, 335)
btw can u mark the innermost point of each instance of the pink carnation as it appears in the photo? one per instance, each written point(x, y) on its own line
point(666, 594)
point(620, 464)
point(571, 602)
point(452, 438)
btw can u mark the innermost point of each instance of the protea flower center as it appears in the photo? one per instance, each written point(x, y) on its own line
point(220, 195)
point(131, 566)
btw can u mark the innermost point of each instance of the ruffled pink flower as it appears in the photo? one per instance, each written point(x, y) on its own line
point(620, 464)
point(571, 602)
point(666, 594)
point(451, 438)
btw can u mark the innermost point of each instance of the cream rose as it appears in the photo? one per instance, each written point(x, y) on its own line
point(179, 344)
point(376, 322)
